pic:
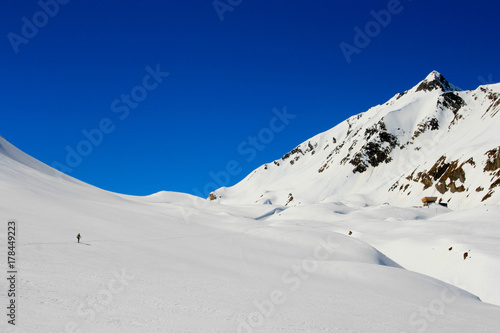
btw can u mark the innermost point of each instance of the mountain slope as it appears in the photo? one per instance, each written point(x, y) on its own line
point(432, 140)
point(175, 263)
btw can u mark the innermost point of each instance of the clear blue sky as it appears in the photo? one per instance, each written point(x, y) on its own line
point(75, 71)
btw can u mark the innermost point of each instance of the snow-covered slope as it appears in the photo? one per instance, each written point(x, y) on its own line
point(432, 140)
point(172, 262)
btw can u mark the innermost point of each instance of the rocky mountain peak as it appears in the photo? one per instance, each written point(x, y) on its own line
point(442, 143)
point(434, 81)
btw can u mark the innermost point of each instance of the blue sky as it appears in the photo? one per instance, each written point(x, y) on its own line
point(90, 78)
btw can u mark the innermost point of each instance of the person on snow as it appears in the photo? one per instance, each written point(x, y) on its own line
point(78, 237)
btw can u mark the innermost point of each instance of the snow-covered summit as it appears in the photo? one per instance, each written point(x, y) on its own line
point(432, 140)
point(436, 80)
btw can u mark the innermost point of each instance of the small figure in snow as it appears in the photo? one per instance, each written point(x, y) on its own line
point(78, 237)
point(466, 254)
point(350, 233)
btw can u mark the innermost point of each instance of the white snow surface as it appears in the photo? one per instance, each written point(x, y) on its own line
point(172, 262)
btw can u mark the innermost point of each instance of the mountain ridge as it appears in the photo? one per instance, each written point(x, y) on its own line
point(390, 153)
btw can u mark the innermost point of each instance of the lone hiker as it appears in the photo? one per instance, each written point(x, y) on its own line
point(78, 237)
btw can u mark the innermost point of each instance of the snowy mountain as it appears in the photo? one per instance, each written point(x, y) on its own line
point(432, 140)
point(172, 262)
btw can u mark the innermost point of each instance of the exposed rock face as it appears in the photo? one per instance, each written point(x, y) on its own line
point(452, 173)
point(433, 82)
point(376, 151)
point(493, 162)
point(427, 124)
point(452, 101)
point(451, 176)
point(297, 153)
point(493, 167)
